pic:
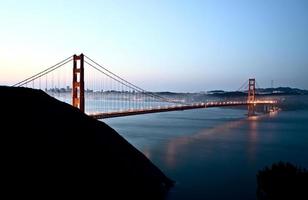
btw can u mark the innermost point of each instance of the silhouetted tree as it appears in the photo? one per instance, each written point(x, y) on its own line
point(282, 181)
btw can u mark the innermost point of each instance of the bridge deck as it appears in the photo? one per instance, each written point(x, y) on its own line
point(178, 108)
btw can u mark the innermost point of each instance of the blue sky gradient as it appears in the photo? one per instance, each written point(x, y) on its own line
point(162, 45)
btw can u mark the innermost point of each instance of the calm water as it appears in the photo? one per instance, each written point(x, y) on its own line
point(216, 153)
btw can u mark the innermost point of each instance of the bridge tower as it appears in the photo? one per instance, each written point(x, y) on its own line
point(78, 82)
point(251, 96)
point(251, 90)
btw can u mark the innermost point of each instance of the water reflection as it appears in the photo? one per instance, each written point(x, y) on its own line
point(273, 113)
point(184, 142)
point(252, 137)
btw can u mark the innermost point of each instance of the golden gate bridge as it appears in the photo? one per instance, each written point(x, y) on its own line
point(101, 93)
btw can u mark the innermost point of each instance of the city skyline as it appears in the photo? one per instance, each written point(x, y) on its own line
point(162, 46)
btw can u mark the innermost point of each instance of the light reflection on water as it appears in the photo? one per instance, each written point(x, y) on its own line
point(185, 141)
point(253, 137)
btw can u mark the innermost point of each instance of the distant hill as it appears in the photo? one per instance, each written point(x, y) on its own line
point(227, 94)
point(283, 90)
point(260, 91)
point(51, 149)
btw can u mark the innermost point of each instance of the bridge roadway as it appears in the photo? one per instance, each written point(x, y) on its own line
point(180, 108)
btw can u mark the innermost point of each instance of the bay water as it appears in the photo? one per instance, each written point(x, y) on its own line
point(216, 153)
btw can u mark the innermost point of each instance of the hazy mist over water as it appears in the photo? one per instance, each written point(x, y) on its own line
point(215, 153)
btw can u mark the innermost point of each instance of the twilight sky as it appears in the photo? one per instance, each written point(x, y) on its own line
point(161, 45)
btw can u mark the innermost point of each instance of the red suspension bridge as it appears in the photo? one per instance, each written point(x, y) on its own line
point(101, 93)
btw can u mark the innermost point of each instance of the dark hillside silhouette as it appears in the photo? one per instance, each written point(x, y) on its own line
point(51, 149)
